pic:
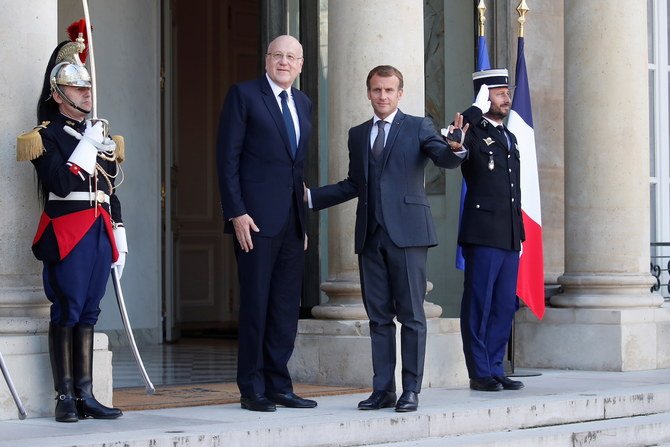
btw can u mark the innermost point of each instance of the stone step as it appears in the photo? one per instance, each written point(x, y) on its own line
point(549, 408)
point(650, 430)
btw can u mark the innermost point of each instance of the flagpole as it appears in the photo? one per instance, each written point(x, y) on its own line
point(481, 7)
point(522, 10)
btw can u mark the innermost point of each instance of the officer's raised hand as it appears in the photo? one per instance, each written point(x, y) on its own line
point(482, 99)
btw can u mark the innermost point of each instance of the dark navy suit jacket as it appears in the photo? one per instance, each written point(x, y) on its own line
point(257, 172)
point(411, 142)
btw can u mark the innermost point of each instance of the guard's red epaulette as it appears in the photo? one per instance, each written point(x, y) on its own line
point(29, 145)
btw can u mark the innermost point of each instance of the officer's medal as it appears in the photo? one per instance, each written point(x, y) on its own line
point(491, 163)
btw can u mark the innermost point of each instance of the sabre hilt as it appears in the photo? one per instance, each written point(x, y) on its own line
point(105, 125)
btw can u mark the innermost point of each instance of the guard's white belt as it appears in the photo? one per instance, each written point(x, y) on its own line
point(98, 196)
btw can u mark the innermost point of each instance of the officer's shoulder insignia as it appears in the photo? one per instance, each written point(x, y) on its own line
point(120, 147)
point(489, 141)
point(29, 145)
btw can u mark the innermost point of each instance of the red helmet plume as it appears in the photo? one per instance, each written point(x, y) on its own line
point(76, 29)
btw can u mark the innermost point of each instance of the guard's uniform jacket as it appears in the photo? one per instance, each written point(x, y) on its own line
point(65, 221)
point(492, 209)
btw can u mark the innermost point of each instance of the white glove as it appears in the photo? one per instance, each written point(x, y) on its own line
point(122, 247)
point(108, 145)
point(84, 155)
point(482, 99)
point(120, 263)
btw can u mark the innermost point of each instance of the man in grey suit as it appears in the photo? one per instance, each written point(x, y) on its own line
point(394, 228)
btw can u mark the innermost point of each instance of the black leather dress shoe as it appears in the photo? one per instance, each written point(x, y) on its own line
point(485, 384)
point(409, 401)
point(291, 400)
point(257, 402)
point(508, 383)
point(377, 400)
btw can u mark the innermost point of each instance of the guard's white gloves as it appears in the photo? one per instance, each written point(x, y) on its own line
point(84, 155)
point(482, 99)
point(122, 247)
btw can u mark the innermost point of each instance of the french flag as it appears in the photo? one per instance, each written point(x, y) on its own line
point(530, 284)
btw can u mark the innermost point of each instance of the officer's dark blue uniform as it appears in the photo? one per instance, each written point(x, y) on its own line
point(490, 233)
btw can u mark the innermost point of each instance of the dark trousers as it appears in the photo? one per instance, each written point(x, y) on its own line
point(393, 281)
point(270, 278)
point(488, 306)
point(75, 286)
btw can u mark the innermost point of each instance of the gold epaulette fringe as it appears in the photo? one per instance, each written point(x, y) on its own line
point(120, 147)
point(29, 145)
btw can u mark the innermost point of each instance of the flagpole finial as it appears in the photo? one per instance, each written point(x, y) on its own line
point(522, 9)
point(481, 7)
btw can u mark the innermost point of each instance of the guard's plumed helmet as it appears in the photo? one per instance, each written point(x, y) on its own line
point(69, 69)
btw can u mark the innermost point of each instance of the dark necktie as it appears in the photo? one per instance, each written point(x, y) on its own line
point(378, 145)
point(288, 121)
point(501, 129)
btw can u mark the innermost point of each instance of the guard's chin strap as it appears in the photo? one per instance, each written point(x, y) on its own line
point(69, 101)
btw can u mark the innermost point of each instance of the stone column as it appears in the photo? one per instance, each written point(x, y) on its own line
point(606, 318)
point(335, 348)
point(28, 32)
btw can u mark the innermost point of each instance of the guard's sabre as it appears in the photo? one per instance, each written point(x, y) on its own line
point(91, 58)
point(149, 387)
point(115, 276)
point(12, 389)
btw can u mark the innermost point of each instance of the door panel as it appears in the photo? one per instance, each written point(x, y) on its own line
point(215, 44)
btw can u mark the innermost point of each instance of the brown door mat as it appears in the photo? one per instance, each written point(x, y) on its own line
point(129, 399)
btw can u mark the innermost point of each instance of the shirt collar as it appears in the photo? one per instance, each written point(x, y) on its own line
point(493, 122)
point(389, 119)
point(277, 89)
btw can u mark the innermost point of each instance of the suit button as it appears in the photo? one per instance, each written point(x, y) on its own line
point(508, 155)
point(477, 206)
point(509, 170)
point(512, 199)
point(512, 185)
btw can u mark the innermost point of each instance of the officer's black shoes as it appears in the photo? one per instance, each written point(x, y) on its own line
point(485, 384)
point(508, 383)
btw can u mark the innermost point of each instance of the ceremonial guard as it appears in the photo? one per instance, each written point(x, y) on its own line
point(80, 234)
point(491, 233)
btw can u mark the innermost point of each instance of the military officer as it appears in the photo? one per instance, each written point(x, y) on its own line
point(491, 232)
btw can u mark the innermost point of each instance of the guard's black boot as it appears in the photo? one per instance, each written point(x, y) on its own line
point(87, 405)
point(60, 353)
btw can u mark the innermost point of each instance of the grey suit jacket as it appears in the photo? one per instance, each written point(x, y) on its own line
point(411, 142)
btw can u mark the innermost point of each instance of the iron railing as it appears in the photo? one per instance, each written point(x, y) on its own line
point(660, 268)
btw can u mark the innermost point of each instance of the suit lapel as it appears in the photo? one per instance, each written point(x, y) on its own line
point(275, 112)
point(393, 134)
point(303, 120)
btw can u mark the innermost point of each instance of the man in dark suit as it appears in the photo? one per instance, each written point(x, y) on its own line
point(394, 228)
point(491, 233)
point(261, 149)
